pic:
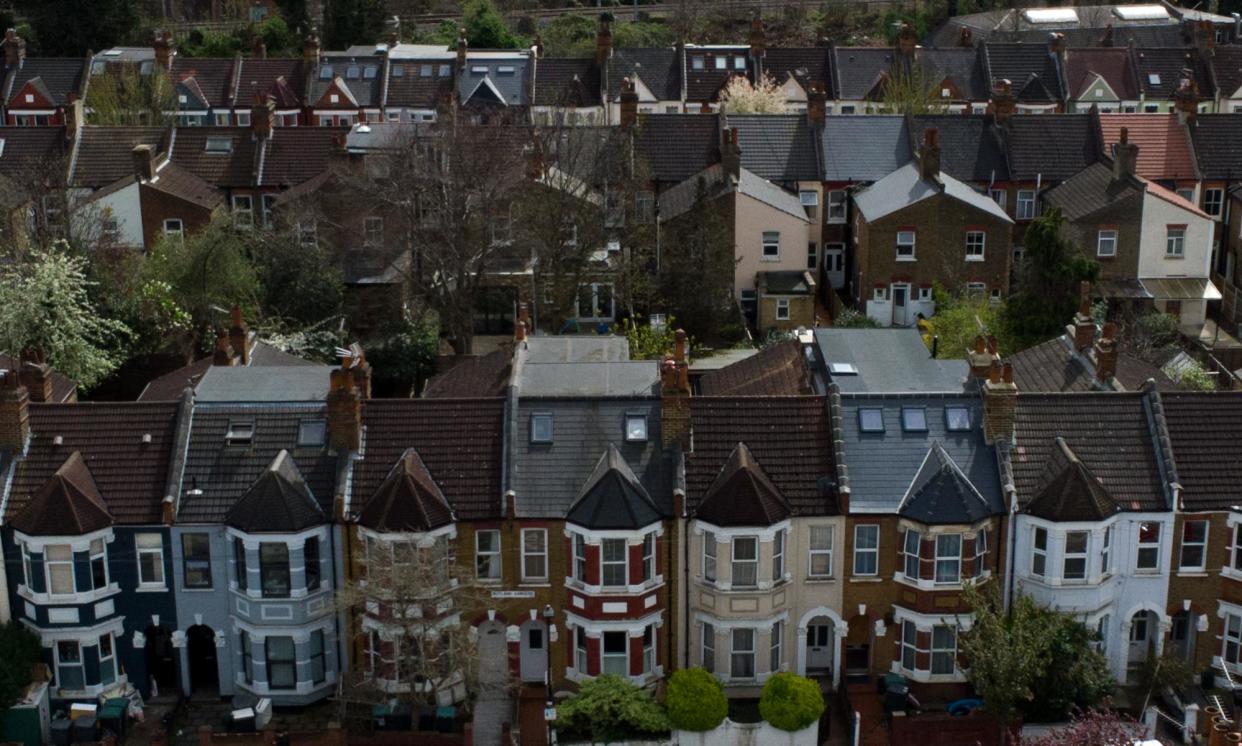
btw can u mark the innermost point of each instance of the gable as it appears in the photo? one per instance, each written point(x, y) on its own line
point(644, 93)
point(336, 94)
point(1099, 84)
point(793, 89)
point(32, 95)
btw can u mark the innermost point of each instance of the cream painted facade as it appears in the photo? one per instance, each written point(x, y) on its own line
point(1161, 214)
point(752, 219)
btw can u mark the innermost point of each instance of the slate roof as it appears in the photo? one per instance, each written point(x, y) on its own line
point(1070, 492)
point(283, 78)
point(706, 84)
point(637, 378)
point(64, 388)
point(857, 71)
point(715, 182)
point(218, 473)
point(1215, 138)
point(678, 146)
point(1055, 146)
point(235, 168)
point(214, 77)
point(940, 493)
point(1203, 428)
point(892, 360)
point(1088, 30)
point(458, 440)
point(1163, 143)
point(1115, 65)
point(1168, 63)
point(68, 504)
point(659, 69)
point(1109, 432)
point(962, 66)
point(1031, 68)
point(412, 88)
point(511, 87)
point(408, 500)
point(278, 501)
point(882, 466)
point(293, 155)
point(567, 81)
point(264, 383)
point(1226, 62)
point(30, 149)
point(365, 91)
point(742, 495)
point(132, 476)
point(105, 154)
point(613, 497)
point(484, 375)
point(178, 182)
point(970, 147)
point(864, 148)
point(548, 477)
point(170, 385)
point(777, 147)
point(906, 186)
point(778, 370)
point(789, 435)
point(60, 78)
point(1091, 190)
point(1053, 366)
point(806, 64)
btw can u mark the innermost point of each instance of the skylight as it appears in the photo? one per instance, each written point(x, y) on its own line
point(312, 433)
point(636, 427)
point(1153, 78)
point(325, 72)
point(240, 432)
point(505, 70)
point(871, 420)
point(843, 369)
point(479, 70)
point(398, 71)
point(541, 427)
point(219, 145)
point(370, 72)
point(1050, 15)
point(957, 419)
point(353, 72)
point(914, 419)
point(1141, 12)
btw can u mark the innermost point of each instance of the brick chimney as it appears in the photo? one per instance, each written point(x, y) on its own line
point(362, 372)
point(1106, 354)
point(1084, 323)
point(628, 103)
point(982, 356)
point(14, 48)
point(1056, 45)
point(144, 161)
point(165, 50)
point(310, 47)
point(392, 31)
point(965, 37)
point(522, 327)
point(537, 47)
point(1205, 35)
point(1106, 39)
point(344, 409)
point(603, 38)
point(262, 115)
point(906, 40)
point(1125, 156)
point(1186, 98)
point(223, 354)
point(815, 104)
point(929, 154)
point(675, 396)
point(730, 153)
point(758, 37)
point(461, 51)
point(258, 49)
point(239, 337)
point(37, 378)
point(14, 412)
point(1000, 403)
point(1003, 103)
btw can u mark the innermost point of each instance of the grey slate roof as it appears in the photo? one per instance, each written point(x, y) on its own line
point(1032, 69)
point(613, 497)
point(548, 477)
point(864, 148)
point(352, 72)
point(607, 379)
point(889, 361)
point(777, 147)
point(962, 66)
point(882, 466)
point(677, 146)
point(1092, 189)
point(61, 77)
point(659, 69)
point(1226, 63)
point(906, 186)
point(278, 501)
point(511, 86)
point(1168, 64)
point(280, 383)
point(576, 349)
point(857, 71)
point(684, 197)
point(971, 149)
point(941, 494)
point(1056, 147)
point(806, 64)
point(1215, 138)
point(217, 473)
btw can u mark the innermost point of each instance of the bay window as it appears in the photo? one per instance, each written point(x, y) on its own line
point(911, 554)
point(774, 653)
point(69, 671)
point(580, 650)
point(1106, 552)
point(58, 559)
point(1074, 563)
point(1039, 552)
point(282, 666)
point(239, 556)
point(909, 645)
point(708, 654)
point(1235, 552)
point(375, 661)
point(274, 569)
point(613, 563)
point(742, 658)
point(616, 653)
point(649, 570)
point(247, 656)
point(580, 563)
point(778, 556)
point(107, 659)
point(745, 561)
point(948, 558)
point(1233, 639)
point(310, 556)
point(318, 657)
point(649, 656)
point(99, 564)
point(709, 556)
point(943, 649)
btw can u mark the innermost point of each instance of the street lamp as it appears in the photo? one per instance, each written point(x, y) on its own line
point(549, 712)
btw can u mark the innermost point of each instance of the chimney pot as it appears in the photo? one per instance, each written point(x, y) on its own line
point(1000, 399)
point(165, 48)
point(14, 48)
point(603, 39)
point(815, 104)
point(519, 331)
point(310, 47)
point(37, 378)
point(906, 39)
point(628, 103)
point(144, 161)
point(679, 345)
point(758, 37)
point(929, 154)
point(223, 354)
point(239, 337)
point(14, 412)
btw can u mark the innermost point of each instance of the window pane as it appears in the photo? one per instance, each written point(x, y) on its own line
point(274, 567)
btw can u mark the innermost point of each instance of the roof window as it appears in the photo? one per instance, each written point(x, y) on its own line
point(871, 420)
point(424, 71)
point(1051, 15)
point(636, 427)
point(240, 432)
point(445, 71)
point(370, 72)
point(219, 145)
point(914, 419)
point(1153, 78)
point(843, 369)
point(353, 72)
point(506, 70)
point(398, 71)
point(478, 70)
point(956, 419)
point(541, 427)
point(325, 72)
point(312, 433)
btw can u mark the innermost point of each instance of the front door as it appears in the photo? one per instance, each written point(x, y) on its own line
point(204, 672)
point(1182, 636)
point(534, 651)
point(161, 658)
point(819, 644)
point(1140, 638)
point(901, 305)
point(834, 265)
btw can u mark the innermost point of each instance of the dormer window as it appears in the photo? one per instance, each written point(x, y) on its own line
point(871, 420)
point(219, 145)
point(478, 70)
point(325, 72)
point(541, 427)
point(956, 419)
point(505, 70)
point(353, 72)
point(370, 72)
point(636, 428)
point(914, 419)
point(240, 432)
point(311, 434)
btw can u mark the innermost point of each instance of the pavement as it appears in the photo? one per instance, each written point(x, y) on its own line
point(493, 708)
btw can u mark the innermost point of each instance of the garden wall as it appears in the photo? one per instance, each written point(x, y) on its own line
point(730, 733)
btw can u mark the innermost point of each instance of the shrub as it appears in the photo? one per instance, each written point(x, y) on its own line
point(695, 700)
point(791, 702)
point(610, 709)
point(851, 318)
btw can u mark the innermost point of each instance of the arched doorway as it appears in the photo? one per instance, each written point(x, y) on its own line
point(201, 651)
point(1144, 640)
point(161, 658)
point(1182, 635)
point(858, 643)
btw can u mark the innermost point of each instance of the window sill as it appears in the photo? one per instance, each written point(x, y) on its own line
point(197, 590)
point(867, 579)
point(975, 259)
point(151, 589)
point(769, 258)
point(820, 581)
point(534, 584)
point(907, 259)
point(1195, 573)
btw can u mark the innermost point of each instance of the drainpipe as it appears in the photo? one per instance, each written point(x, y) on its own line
point(1010, 539)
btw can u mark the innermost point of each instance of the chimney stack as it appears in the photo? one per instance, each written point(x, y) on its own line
point(144, 161)
point(603, 39)
point(1106, 40)
point(14, 48)
point(522, 329)
point(362, 372)
point(392, 31)
point(1106, 354)
point(1000, 403)
point(929, 154)
point(982, 356)
point(461, 51)
point(14, 412)
point(1003, 103)
point(310, 47)
point(906, 40)
point(965, 37)
point(239, 338)
point(1186, 98)
point(730, 153)
point(165, 50)
point(1125, 156)
point(263, 115)
point(758, 37)
point(344, 410)
point(1084, 324)
point(223, 354)
point(675, 396)
point(37, 378)
point(815, 105)
point(258, 49)
point(628, 103)
point(1056, 44)
point(537, 47)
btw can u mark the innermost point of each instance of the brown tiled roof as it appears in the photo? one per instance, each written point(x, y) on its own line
point(1164, 145)
point(407, 500)
point(214, 77)
point(742, 495)
point(1205, 429)
point(297, 154)
point(412, 88)
point(105, 154)
point(235, 168)
point(1050, 367)
point(789, 435)
point(279, 501)
point(179, 182)
point(1109, 432)
point(459, 440)
point(485, 375)
point(1113, 64)
point(283, 78)
point(1070, 491)
point(131, 475)
point(30, 149)
point(775, 371)
point(64, 388)
point(68, 504)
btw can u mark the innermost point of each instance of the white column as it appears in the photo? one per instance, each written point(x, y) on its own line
point(842, 631)
point(801, 671)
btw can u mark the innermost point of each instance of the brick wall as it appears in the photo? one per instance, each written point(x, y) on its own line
point(1126, 217)
point(158, 206)
point(1203, 589)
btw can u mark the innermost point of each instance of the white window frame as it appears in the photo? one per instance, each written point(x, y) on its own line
point(741, 654)
point(976, 245)
point(649, 641)
point(1039, 556)
point(1175, 242)
point(1106, 552)
point(737, 563)
point(48, 564)
point(999, 196)
point(782, 309)
point(775, 658)
point(581, 651)
point(810, 202)
point(778, 556)
point(174, 227)
point(492, 556)
point(150, 545)
point(1200, 545)
point(107, 662)
point(1235, 551)
point(649, 564)
point(98, 553)
point(950, 561)
point(822, 551)
point(941, 651)
point(607, 658)
point(710, 566)
point(606, 564)
point(243, 211)
point(579, 568)
point(61, 665)
point(1106, 242)
point(836, 206)
point(909, 646)
point(707, 649)
point(907, 246)
point(1214, 201)
point(1025, 207)
point(981, 549)
point(872, 552)
point(1231, 640)
point(910, 554)
point(529, 554)
point(1075, 556)
point(771, 246)
point(1147, 548)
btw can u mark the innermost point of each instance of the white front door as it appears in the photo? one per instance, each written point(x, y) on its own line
point(819, 644)
point(1140, 632)
point(834, 265)
point(901, 305)
point(534, 652)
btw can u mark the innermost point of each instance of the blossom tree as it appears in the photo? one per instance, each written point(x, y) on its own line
point(740, 96)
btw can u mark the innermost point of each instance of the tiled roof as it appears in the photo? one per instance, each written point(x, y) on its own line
point(858, 70)
point(277, 502)
point(778, 147)
point(283, 78)
point(1070, 492)
point(61, 77)
point(64, 388)
point(789, 435)
point(707, 84)
point(458, 440)
point(131, 475)
point(412, 88)
point(567, 81)
point(30, 149)
point(864, 148)
point(1216, 138)
point(1167, 65)
point(482, 376)
point(806, 64)
point(1114, 65)
point(350, 71)
point(742, 495)
point(961, 66)
point(659, 69)
point(678, 146)
point(1204, 430)
point(408, 500)
point(179, 182)
point(1163, 143)
point(170, 385)
point(214, 77)
point(1109, 432)
point(1226, 62)
point(1056, 147)
point(1093, 189)
point(1052, 366)
point(293, 155)
point(940, 493)
point(484, 79)
point(234, 168)
point(1031, 68)
point(970, 148)
point(778, 370)
point(613, 498)
point(105, 154)
point(219, 472)
point(68, 504)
